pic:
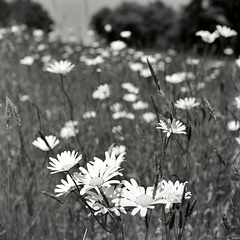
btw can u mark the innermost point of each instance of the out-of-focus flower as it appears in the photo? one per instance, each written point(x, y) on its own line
point(130, 97)
point(150, 58)
point(238, 62)
point(99, 173)
point(172, 193)
point(126, 34)
point(130, 87)
point(63, 67)
point(176, 77)
point(102, 92)
point(64, 162)
point(24, 98)
point(140, 105)
point(225, 31)
point(192, 61)
point(228, 51)
point(174, 126)
point(145, 72)
point(207, 36)
point(237, 102)
point(66, 187)
point(141, 199)
point(238, 140)
point(28, 60)
point(116, 107)
point(123, 114)
point(38, 33)
point(119, 149)
point(233, 125)
point(186, 103)
point(118, 45)
point(69, 130)
point(46, 144)
point(135, 67)
point(108, 28)
point(149, 117)
point(90, 114)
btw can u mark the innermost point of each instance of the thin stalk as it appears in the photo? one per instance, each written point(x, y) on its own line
point(67, 97)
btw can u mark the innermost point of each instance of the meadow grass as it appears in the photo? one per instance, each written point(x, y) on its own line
point(33, 101)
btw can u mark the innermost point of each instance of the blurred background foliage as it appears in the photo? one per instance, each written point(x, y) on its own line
point(152, 26)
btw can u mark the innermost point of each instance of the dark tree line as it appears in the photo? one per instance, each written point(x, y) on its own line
point(24, 12)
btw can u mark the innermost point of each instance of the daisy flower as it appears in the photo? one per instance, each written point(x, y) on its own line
point(186, 103)
point(66, 187)
point(102, 92)
point(174, 126)
point(50, 143)
point(172, 193)
point(237, 102)
point(225, 31)
point(233, 125)
point(176, 77)
point(99, 173)
point(63, 67)
point(130, 87)
point(98, 203)
point(28, 60)
point(141, 199)
point(64, 162)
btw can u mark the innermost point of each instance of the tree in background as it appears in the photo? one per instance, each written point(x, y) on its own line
point(25, 12)
point(4, 13)
point(150, 25)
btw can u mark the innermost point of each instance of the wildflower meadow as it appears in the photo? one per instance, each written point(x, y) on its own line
point(109, 142)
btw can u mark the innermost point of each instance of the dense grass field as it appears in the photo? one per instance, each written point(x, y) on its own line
point(37, 103)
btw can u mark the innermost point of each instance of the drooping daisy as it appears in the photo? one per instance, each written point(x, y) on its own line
point(66, 187)
point(206, 36)
point(172, 193)
point(98, 203)
point(62, 67)
point(64, 162)
point(174, 126)
point(141, 199)
point(46, 144)
point(186, 103)
point(99, 174)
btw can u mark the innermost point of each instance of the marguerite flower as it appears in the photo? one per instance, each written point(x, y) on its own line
point(186, 103)
point(141, 199)
point(176, 77)
point(207, 36)
point(130, 87)
point(28, 60)
point(118, 45)
point(174, 126)
point(66, 186)
point(233, 125)
point(63, 67)
point(46, 144)
point(225, 31)
point(172, 193)
point(64, 162)
point(237, 102)
point(99, 173)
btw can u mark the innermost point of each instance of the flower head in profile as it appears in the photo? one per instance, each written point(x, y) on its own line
point(98, 203)
point(225, 31)
point(64, 162)
point(207, 37)
point(186, 103)
point(174, 126)
point(62, 67)
point(66, 187)
point(28, 60)
point(172, 193)
point(102, 92)
point(46, 144)
point(99, 173)
point(141, 199)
